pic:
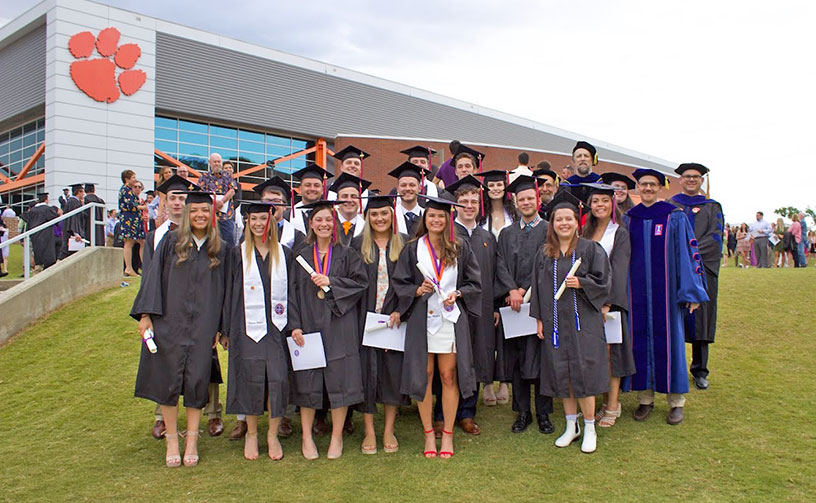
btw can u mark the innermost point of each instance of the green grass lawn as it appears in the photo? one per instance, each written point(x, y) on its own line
point(72, 431)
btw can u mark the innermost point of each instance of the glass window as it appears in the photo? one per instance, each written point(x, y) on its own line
point(222, 131)
point(278, 140)
point(4, 148)
point(166, 134)
point(200, 139)
point(28, 152)
point(168, 147)
point(251, 158)
point(274, 151)
point(227, 155)
point(30, 139)
point(16, 144)
point(166, 122)
point(217, 142)
point(195, 127)
point(41, 135)
point(15, 156)
point(299, 145)
point(250, 136)
point(250, 146)
point(196, 150)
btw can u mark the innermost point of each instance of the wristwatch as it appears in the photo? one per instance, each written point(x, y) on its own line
point(458, 294)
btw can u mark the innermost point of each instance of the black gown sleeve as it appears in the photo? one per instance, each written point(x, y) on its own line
point(150, 299)
point(593, 274)
point(619, 268)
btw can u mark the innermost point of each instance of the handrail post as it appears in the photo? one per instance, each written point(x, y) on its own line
point(92, 237)
point(27, 257)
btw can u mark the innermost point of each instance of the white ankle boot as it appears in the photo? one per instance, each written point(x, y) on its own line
point(571, 432)
point(590, 442)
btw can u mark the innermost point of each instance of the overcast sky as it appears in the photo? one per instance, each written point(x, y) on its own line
point(729, 84)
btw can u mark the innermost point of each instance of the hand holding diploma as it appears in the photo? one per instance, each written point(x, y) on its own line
point(429, 276)
point(571, 273)
point(306, 267)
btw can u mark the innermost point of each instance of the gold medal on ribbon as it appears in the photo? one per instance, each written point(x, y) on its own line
point(321, 294)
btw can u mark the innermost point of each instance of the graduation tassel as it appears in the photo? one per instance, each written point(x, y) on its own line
point(291, 196)
point(213, 211)
point(575, 301)
point(334, 225)
point(325, 188)
point(394, 229)
point(538, 197)
point(430, 167)
point(360, 187)
point(450, 224)
point(422, 181)
point(555, 304)
point(266, 227)
point(580, 216)
point(481, 203)
point(614, 205)
point(507, 193)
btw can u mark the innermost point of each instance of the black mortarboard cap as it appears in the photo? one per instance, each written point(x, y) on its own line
point(538, 173)
point(464, 149)
point(257, 206)
point(176, 182)
point(494, 175)
point(641, 172)
point(347, 180)
point(275, 182)
point(379, 201)
point(562, 198)
point(312, 171)
point(407, 169)
point(197, 196)
point(691, 165)
point(600, 188)
point(418, 151)
point(439, 203)
point(468, 181)
point(617, 177)
point(350, 152)
point(89, 186)
point(320, 204)
point(522, 182)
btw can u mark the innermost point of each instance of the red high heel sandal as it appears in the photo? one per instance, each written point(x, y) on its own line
point(443, 454)
point(429, 454)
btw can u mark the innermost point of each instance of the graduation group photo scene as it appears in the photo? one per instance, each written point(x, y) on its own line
point(464, 283)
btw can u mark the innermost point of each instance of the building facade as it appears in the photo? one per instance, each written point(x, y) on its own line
point(89, 90)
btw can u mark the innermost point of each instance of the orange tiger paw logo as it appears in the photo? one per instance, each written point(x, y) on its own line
point(97, 77)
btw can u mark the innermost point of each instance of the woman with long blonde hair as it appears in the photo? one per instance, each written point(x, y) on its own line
point(439, 300)
point(254, 327)
point(380, 245)
point(179, 308)
point(327, 301)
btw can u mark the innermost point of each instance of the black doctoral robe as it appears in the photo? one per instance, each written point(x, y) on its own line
point(706, 217)
point(43, 242)
point(381, 369)
point(73, 226)
point(337, 318)
point(99, 215)
point(257, 370)
point(620, 355)
point(185, 321)
point(414, 311)
point(515, 253)
point(482, 330)
point(581, 357)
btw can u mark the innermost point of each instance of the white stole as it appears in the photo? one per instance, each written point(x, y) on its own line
point(297, 218)
point(254, 305)
point(436, 310)
point(159, 234)
point(287, 233)
point(607, 241)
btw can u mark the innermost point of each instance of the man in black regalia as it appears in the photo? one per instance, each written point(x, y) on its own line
point(99, 215)
point(74, 227)
point(43, 241)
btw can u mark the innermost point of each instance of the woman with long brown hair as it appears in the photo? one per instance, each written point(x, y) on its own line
point(179, 307)
point(380, 246)
point(334, 312)
point(574, 361)
point(165, 173)
point(436, 303)
point(255, 318)
point(603, 227)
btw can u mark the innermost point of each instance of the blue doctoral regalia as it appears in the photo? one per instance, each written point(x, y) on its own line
point(665, 273)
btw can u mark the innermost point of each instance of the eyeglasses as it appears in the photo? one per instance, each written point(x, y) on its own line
point(691, 177)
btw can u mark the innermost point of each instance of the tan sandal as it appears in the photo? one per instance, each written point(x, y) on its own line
point(600, 414)
point(610, 417)
point(191, 459)
point(391, 448)
point(175, 460)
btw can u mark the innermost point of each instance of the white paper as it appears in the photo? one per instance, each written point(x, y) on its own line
point(225, 206)
point(308, 356)
point(74, 245)
point(518, 324)
point(613, 328)
point(773, 239)
point(378, 335)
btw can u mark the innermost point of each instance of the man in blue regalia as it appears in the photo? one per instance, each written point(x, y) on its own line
point(665, 281)
point(706, 218)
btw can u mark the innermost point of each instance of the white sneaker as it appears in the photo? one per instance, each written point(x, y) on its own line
point(571, 432)
point(590, 442)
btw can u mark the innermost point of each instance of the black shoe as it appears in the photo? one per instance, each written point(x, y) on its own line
point(701, 382)
point(523, 420)
point(544, 424)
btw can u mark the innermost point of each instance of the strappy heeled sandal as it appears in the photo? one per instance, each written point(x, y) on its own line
point(430, 454)
point(391, 448)
point(600, 413)
point(446, 454)
point(175, 460)
point(192, 459)
point(610, 417)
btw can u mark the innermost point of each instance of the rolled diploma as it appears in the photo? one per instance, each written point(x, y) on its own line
point(148, 340)
point(305, 265)
point(378, 326)
point(428, 275)
point(572, 270)
point(527, 295)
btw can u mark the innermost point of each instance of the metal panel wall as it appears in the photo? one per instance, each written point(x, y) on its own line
point(198, 79)
point(22, 74)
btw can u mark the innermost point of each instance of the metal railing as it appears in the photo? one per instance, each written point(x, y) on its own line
point(26, 236)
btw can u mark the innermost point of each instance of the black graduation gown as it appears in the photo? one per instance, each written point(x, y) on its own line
point(706, 217)
point(337, 319)
point(43, 242)
point(581, 357)
point(257, 370)
point(342, 237)
point(300, 238)
point(482, 331)
point(185, 321)
point(413, 310)
point(515, 253)
point(99, 215)
point(71, 226)
point(620, 355)
point(381, 369)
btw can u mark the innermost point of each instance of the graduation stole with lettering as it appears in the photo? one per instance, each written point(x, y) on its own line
point(445, 279)
point(254, 305)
